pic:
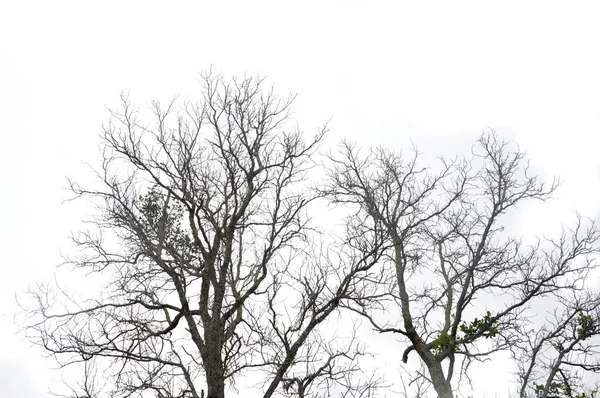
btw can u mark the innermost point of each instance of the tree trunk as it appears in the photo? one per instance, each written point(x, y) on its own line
point(215, 379)
point(213, 364)
point(442, 387)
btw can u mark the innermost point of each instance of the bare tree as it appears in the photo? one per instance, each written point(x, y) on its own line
point(446, 251)
point(555, 358)
point(200, 232)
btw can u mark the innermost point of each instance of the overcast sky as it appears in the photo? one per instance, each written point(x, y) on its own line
point(437, 73)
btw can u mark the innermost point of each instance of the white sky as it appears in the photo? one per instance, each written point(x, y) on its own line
point(434, 72)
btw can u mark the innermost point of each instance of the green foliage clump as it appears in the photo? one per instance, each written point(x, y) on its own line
point(483, 327)
point(584, 395)
point(162, 220)
point(478, 327)
point(442, 343)
point(587, 326)
point(558, 389)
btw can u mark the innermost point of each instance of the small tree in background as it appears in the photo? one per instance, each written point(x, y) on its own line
point(557, 358)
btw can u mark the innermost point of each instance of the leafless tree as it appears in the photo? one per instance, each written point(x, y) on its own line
point(447, 255)
point(555, 357)
point(203, 238)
